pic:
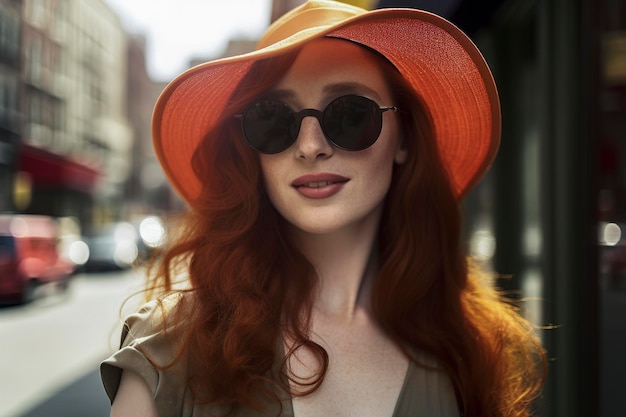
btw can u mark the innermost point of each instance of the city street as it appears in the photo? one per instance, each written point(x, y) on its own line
point(50, 349)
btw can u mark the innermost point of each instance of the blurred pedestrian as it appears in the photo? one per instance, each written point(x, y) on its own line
point(323, 269)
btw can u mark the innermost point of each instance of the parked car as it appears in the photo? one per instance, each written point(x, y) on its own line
point(30, 256)
point(112, 247)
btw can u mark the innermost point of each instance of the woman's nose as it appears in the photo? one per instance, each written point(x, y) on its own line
point(311, 143)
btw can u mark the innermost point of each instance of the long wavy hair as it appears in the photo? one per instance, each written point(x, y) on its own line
point(249, 286)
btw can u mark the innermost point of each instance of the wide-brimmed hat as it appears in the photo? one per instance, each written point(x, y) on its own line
point(436, 58)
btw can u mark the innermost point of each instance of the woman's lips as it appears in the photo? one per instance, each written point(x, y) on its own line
point(319, 186)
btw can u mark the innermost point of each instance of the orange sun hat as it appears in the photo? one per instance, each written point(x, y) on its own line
point(436, 58)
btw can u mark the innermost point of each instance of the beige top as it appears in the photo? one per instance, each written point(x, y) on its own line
point(425, 393)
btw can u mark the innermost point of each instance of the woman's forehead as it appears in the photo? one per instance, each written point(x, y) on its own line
point(332, 67)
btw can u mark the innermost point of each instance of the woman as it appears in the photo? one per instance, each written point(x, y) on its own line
point(323, 271)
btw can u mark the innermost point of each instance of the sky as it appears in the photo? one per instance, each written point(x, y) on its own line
point(178, 30)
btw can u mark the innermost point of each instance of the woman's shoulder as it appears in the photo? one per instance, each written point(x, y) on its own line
point(149, 347)
point(155, 319)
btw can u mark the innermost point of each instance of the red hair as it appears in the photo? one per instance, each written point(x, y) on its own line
point(249, 285)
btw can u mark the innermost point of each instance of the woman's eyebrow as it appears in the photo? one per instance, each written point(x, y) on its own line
point(337, 89)
point(331, 90)
point(280, 95)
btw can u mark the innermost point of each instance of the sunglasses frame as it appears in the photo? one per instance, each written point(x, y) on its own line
point(319, 115)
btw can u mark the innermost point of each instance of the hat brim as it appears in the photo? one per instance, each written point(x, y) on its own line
point(436, 58)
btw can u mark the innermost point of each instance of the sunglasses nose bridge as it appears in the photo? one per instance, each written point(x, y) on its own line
point(299, 116)
point(299, 119)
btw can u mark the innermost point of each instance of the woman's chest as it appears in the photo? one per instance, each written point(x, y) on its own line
point(365, 375)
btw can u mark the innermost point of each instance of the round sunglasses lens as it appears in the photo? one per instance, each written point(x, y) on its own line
point(267, 126)
point(353, 122)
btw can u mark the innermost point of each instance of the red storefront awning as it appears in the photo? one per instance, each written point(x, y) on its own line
point(50, 169)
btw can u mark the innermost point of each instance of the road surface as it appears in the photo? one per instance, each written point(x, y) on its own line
point(50, 349)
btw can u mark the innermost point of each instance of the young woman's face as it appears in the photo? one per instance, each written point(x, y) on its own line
point(314, 185)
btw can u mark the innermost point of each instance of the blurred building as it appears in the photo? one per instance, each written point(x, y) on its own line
point(279, 7)
point(146, 191)
point(10, 112)
point(551, 214)
point(66, 139)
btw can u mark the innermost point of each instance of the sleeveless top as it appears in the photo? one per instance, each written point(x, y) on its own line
point(425, 392)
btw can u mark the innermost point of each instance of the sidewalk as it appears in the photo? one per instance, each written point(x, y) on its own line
point(51, 348)
point(83, 398)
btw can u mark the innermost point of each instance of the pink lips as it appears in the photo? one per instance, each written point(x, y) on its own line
point(319, 186)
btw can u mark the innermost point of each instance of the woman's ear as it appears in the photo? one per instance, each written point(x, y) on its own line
point(401, 153)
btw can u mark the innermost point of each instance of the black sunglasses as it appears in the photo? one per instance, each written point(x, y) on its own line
point(350, 122)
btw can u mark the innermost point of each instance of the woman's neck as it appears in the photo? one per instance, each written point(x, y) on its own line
point(346, 265)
